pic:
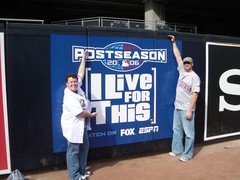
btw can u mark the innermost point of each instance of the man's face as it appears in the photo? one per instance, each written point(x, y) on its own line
point(187, 66)
point(72, 84)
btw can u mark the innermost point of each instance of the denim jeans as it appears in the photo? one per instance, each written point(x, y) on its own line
point(182, 125)
point(76, 157)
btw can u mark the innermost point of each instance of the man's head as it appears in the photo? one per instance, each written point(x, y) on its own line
point(72, 82)
point(188, 63)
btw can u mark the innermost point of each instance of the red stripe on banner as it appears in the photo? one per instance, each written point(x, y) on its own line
point(3, 153)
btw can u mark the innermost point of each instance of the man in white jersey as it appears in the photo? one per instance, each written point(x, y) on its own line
point(75, 123)
point(187, 90)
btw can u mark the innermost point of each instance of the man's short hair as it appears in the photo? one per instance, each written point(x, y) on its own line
point(71, 75)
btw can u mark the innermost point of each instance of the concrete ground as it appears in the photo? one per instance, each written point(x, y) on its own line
point(212, 161)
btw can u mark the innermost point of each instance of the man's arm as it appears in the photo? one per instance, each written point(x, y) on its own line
point(81, 69)
point(86, 114)
point(191, 106)
point(176, 51)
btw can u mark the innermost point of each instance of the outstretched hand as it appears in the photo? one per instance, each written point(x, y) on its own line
point(171, 38)
point(85, 54)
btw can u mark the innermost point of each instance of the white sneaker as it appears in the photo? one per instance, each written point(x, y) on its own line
point(184, 159)
point(85, 177)
point(172, 154)
point(88, 173)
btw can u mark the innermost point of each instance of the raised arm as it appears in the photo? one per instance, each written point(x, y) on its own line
point(176, 51)
point(81, 69)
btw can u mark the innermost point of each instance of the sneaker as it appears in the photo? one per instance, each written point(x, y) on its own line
point(88, 173)
point(184, 159)
point(172, 154)
point(83, 178)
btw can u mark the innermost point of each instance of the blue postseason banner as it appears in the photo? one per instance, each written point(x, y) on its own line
point(129, 81)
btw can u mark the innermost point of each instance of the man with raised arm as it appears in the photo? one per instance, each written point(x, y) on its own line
point(187, 90)
point(75, 123)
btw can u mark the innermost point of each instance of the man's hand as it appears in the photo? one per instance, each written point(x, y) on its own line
point(94, 114)
point(188, 115)
point(171, 38)
point(85, 54)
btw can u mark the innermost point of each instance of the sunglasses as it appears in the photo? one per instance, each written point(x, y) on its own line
point(186, 62)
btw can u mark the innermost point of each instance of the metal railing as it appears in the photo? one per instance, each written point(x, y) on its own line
point(129, 23)
point(7, 20)
point(161, 25)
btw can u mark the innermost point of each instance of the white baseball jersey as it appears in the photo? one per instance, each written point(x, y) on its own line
point(188, 83)
point(73, 105)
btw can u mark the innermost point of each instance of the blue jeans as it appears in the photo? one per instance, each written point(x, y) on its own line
point(76, 157)
point(182, 125)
